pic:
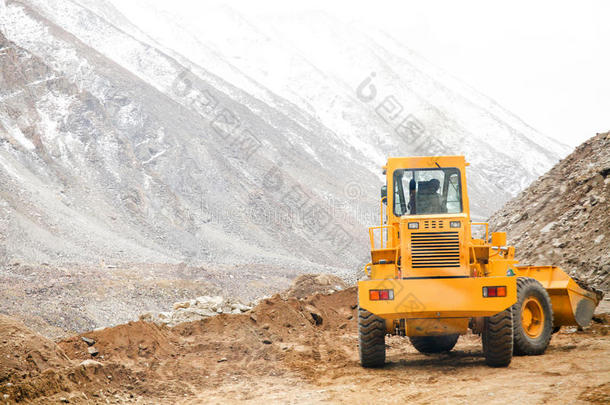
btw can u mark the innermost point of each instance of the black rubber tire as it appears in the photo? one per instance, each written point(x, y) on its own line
point(434, 344)
point(371, 339)
point(498, 339)
point(524, 345)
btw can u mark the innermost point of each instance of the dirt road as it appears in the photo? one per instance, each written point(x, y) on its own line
point(575, 370)
point(289, 351)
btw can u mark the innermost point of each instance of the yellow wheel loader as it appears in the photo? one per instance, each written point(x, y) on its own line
point(431, 279)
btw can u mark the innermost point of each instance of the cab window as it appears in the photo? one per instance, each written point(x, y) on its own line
point(427, 191)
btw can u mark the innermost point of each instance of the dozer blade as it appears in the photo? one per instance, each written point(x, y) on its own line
point(572, 304)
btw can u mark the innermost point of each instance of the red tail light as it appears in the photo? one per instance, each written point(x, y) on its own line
point(381, 295)
point(496, 291)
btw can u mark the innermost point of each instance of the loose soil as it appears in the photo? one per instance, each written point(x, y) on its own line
point(288, 350)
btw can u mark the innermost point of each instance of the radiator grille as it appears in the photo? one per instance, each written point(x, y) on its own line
point(435, 249)
point(433, 224)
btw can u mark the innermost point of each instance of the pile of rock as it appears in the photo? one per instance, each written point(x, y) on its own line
point(197, 309)
point(563, 218)
point(310, 284)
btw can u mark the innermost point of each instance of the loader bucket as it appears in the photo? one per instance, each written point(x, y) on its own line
point(572, 304)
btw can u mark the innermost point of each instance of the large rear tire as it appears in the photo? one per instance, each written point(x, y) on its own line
point(371, 339)
point(434, 344)
point(498, 339)
point(533, 318)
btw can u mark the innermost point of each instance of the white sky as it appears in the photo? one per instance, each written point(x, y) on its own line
point(546, 61)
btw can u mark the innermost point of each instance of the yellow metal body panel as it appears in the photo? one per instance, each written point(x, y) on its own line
point(437, 298)
point(383, 271)
point(498, 239)
point(434, 228)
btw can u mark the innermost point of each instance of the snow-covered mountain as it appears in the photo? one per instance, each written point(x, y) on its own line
point(131, 133)
point(318, 63)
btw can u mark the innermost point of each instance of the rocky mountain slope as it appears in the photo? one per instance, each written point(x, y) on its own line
point(563, 218)
point(116, 147)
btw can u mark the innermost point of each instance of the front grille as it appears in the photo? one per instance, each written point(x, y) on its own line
point(435, 249)
point(433, 224)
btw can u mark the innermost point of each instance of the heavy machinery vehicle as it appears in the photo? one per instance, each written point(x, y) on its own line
point(431, 279)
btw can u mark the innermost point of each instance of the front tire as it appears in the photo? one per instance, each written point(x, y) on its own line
point(434, 344)
point(533, 318)
point(371, 339)
point(498, 339)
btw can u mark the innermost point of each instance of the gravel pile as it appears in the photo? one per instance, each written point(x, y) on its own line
point(563, 218)
point(197, 309)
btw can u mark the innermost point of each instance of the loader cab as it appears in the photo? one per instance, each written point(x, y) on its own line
point(428, 212)
point(418, 186)
point(428, 191)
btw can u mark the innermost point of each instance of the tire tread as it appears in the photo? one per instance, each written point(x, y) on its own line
point(371, 339)
point(498, 339)
point(523, 345)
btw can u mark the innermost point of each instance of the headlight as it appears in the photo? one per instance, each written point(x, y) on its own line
point(455, 224)
point(413, 225)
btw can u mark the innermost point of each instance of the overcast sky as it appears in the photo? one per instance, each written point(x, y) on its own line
point(546, 61)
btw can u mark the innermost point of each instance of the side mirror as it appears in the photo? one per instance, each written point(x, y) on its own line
point(384, 194)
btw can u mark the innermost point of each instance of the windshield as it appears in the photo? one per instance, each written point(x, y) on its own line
point(427, 191)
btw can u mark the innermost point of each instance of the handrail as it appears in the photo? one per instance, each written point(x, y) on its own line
point(391, 238)
point(381, 216)
point(381, 209)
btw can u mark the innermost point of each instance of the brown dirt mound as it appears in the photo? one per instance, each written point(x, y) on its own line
point(310, 342)
point(125, 343)
point(310, 284)
point(33, 368)
point(24, 353)
point(280, 336)
point(274, 321)
point(600, 324)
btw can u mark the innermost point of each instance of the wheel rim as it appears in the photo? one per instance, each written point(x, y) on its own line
point(532, 317)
